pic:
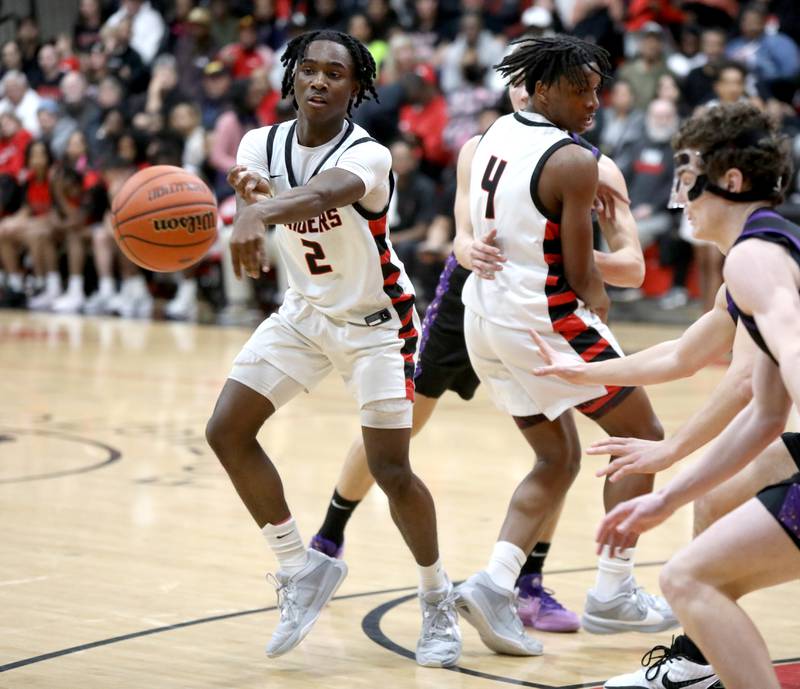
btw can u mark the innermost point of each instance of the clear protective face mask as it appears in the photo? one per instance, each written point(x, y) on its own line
point(690, 179)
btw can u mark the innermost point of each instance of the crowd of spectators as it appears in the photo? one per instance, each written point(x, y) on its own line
point(142, 82)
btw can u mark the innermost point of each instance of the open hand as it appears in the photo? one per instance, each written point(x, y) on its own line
point(633, 456)
point(557, 364)
point(485, 257)
point(621, 525)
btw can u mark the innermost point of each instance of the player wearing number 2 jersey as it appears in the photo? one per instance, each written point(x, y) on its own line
point(349, 307)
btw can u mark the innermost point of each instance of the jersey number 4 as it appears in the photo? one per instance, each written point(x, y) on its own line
point(491, 178)
point(314, 256)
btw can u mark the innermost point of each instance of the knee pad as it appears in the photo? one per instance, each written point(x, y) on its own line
point(393, 413)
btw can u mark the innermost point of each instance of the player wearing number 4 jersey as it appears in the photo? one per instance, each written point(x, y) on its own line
point(349, 307)
point(531, 195)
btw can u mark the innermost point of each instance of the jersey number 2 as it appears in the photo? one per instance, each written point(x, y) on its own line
point(313, 256)
point(491, 178)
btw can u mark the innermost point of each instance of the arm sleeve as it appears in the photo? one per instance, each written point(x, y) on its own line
point(252, 152)
point(370, 162)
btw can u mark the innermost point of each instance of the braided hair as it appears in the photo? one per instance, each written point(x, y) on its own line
point(549, 58)
point(363, 63)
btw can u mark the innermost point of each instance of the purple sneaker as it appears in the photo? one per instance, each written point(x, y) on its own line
point(539, 609)
point(326, 546)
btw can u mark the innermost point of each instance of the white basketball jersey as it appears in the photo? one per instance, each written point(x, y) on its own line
point(342, 261)
point(531, 291)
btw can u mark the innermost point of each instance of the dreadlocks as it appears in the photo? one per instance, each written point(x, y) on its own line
point(363, 64)
point(549, 58)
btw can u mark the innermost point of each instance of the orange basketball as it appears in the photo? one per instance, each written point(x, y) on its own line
point(165, 218)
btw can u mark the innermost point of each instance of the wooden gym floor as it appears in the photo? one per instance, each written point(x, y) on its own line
point(126, 559)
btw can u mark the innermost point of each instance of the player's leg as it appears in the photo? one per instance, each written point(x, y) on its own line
point(386, 444)
point(354, 483)
point(684, 657)
point(255, 388)
point(487, 598)
point(537, 605)
point(753, 547)
point(773, 465)
point(616, 603)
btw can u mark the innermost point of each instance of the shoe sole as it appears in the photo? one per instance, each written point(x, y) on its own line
point(341, 568)
point(600, 625)
point(472, 613)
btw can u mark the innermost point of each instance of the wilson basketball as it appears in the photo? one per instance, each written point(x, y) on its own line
point(165, 218)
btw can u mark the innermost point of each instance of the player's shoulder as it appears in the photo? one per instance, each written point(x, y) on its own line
point(360, 137)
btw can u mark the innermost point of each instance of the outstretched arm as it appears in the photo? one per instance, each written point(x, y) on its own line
point(706, 340)
point(732, 394)
point(749, 434)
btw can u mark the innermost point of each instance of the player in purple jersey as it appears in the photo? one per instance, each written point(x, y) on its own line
point(732, 169)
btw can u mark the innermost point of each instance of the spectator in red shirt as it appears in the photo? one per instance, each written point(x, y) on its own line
point(13, 141)
point(424, 119)
point(31, 228)
point(244, 57)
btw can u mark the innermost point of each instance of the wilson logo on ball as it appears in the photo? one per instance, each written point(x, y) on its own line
point(202, 222)
point(164, 190)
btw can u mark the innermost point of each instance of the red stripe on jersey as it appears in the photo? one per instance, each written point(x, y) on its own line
point(570, 326)
point(552, 280)
point(410, 389)
point(407, 335)
point(403, 297)
point(594, 405)
point(551, 230)
point(562, 298)
point(407, 318)
point(550, 259)
point(378, 227)
point(391, 279)
point(594, 350)
point(386, 256)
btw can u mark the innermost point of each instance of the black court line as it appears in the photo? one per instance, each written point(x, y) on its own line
point(114, 455)
point(172, 627)
point(371, 625)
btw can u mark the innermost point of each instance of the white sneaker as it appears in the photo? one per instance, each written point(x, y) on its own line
point(439, 643)
point(667, 668)
point(184, 306)
point(133, 301)
point(301, 598)
point(493, 612)
point(631, 610)
point(43, 301)
point(69, 302)
point(99, 304)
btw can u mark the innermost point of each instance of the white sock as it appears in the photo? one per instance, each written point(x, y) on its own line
point(53, 284)
point(432, 577)
point(106, 286)
point(613, 573)
point(75, 284)
point(505, 564)
point(38, 282)
point(284, 540)
point(16, 282)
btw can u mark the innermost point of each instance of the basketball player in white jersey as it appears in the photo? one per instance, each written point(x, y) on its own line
point(444, 364)
point(531, 195)
point(350, 307)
